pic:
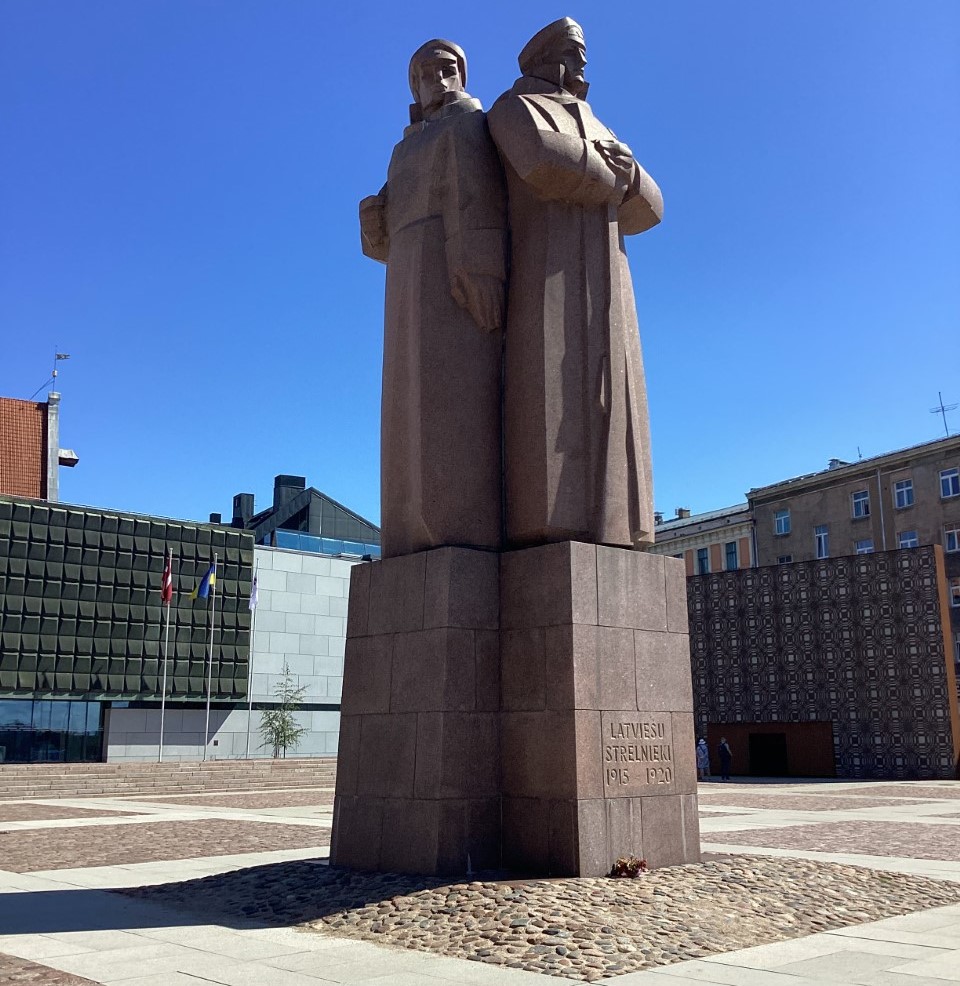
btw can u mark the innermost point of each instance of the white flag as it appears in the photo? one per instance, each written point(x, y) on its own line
point(253, 593)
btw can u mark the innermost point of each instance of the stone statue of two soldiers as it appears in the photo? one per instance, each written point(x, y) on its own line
point(514, 406)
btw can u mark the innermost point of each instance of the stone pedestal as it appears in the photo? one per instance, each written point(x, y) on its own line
point(418, 772)
point(532, 710)
point(597, 738)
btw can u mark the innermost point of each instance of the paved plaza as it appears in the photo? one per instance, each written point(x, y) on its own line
point(782, 861)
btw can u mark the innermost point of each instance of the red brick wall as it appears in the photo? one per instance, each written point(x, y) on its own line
point(23, 448)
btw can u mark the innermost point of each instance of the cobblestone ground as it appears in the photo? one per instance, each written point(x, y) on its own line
point(798, 802)
point(266, 799)
point(14, 970)
point(29, 850)
point(910, 841)
point(582, 929)
point(20, 811)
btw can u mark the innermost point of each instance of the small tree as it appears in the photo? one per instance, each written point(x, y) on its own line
point(279, 726)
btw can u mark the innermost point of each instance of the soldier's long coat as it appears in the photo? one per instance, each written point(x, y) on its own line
point(445, 210)
point(576, 428)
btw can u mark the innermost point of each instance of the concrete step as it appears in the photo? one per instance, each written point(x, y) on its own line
point(187, 777)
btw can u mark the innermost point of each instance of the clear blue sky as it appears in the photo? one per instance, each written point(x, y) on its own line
point(178, 211)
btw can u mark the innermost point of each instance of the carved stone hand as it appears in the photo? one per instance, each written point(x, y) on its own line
point(482, 295)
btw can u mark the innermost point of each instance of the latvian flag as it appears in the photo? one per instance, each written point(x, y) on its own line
point(166, 588)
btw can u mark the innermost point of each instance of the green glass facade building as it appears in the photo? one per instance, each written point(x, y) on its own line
point(82, 625)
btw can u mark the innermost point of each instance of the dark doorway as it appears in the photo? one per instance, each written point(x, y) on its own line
point(768, 755)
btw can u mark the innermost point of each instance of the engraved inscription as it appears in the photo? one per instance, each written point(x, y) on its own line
point(637, 753)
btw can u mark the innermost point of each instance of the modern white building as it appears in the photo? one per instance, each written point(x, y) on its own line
point(300, 625)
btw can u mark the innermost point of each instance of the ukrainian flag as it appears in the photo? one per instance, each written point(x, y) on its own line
point(206, 584)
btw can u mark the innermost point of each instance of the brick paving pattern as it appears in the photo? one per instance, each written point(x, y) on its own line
point(266, 799)
point(929, 792)
point(800, 802)
point(14, 970)
point(13, 811)
point(905, 839)
point(29, 850)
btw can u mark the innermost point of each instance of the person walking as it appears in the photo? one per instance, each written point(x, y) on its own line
point(703, 760)
point(726, 758)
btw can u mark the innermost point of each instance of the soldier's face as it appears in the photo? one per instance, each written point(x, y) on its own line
point(573, 57)
point(438, 76)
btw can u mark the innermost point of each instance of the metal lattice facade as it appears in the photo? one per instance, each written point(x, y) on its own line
point(80, 610)
point(857, 641)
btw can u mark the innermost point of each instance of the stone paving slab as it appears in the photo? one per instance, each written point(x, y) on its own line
point(936, 869)
point(32, 850)
point(784, 801)
point(946, 791)
point(275, 799)
point(901, 839)
point(163, 871)
point(16, 970)
point(23, 811)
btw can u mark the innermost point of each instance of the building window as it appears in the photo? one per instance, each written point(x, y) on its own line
point(907, 539)
point(949, 483)
point(861, 504)
point(951, 538)
point(781, 521)
point(703, 561)
point(903, 494)
point(955, 592)
point(864, 547)
point(822, 537)
point(730, 552)
point(784, 559)
point(956, 647)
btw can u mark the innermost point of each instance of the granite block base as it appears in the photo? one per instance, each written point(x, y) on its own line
point(597, 738)
point(418, 779)
point(530, 710)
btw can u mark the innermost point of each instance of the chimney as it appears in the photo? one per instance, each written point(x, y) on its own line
point(836, 464)
point(52, 485)
point(657, 518)
point(216, 519)
point(285, 488)
point(242, 509)
point(683, 513)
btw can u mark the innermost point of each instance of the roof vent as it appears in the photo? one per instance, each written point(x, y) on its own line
point(837, 464)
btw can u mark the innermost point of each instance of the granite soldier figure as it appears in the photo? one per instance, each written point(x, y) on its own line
point(439, 224)
point(576, 429)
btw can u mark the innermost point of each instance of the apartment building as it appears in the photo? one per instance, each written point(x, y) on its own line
point(716, 541)
point(900, 499)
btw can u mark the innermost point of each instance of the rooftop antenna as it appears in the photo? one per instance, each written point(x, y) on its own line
point(942, 409)
point(56, 359)
point(52, 379)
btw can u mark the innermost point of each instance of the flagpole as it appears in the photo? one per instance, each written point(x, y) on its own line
point(253, 623)
point(163, 689)
point(167, 591)
point(213, 609)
